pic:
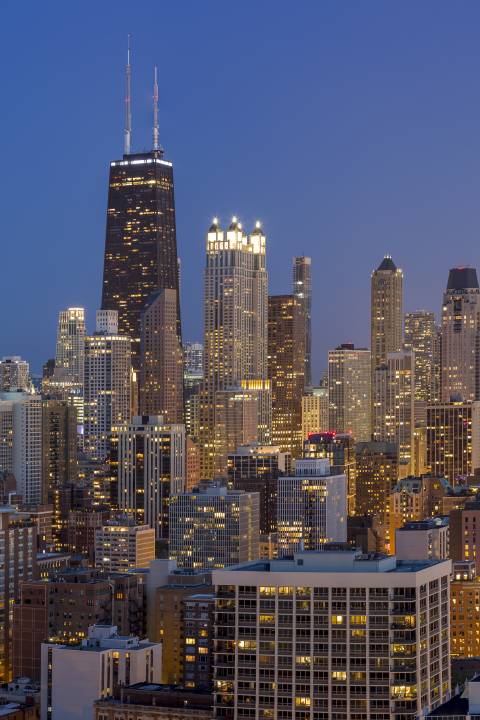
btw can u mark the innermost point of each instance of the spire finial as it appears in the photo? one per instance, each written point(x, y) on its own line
point(128, 103)
point(156, 145)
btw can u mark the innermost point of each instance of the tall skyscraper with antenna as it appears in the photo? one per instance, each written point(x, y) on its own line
point(140, 244)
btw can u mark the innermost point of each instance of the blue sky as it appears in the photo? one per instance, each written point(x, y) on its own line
point(350, 129)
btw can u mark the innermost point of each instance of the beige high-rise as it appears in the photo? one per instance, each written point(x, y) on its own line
point(460, 335)
point(235, 348)
point(399, 419)
point(349, 379)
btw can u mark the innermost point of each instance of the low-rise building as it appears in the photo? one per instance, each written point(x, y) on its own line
point(73, 677)
point(149, 701)
point(423, 540)
point(120, 546)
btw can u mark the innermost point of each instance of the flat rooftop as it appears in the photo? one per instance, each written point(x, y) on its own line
point(336, 561)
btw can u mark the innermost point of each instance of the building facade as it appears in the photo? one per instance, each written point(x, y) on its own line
point(235, 322)
point(214, 528)
point(140, 243)
point(151, 468)
point(332, 635)
point(161, 358)
point(460, 328)
point(311, 507)
point(302, 290)
point(286, 370)
point(349, 389)
point(107, 388)
point(453, 439)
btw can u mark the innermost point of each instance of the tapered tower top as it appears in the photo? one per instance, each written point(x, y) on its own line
point(461, 278)
point(387, 264)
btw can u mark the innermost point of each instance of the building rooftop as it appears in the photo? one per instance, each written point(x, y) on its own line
point(387, 264)
point(462, 278)
point(337, 559)
point(429, 524)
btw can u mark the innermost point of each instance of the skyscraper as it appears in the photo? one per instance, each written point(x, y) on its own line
point(21, 442)
point(59, 454)
point(286, 369)
point(453, 439)
point(302, 289)
point(311, 507)
point(70, 343)
point(349, 630)
point(151, 468)
point(236, 297)
point(161, 370)
point(460, 336)
point(107, 391)
point(140, 244)
point(214, 527)
point(315, 411)
point(399, 417)
point(349, 380)
point(14, 374)
point(386, 322)
point(420, 337)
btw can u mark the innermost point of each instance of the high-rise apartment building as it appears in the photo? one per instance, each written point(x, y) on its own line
point(400, 407)
point(14, 374)
point(62, 608)
point(465, 639)
point(18, 551)
point(315, 411)
point(107, 387)
point(235, 321)
point(286, 368)
point(332, 634)
point(236, 423)
point(349, 389)
point(121, 546)
point(59, 453)
point(21, 442)
point(198, 640)
point(376, 475)
point(463, 533)
point(151, 468)
point(339, 450)
point(386, 327)
point(256, 468)
point(421, 339)
point(214, 527)
point(70, 343)
point(161, 358)
point(386, 311)
point(140, 243)
point(311, 507)
point(460, 336)
point(453, 439)
point(302, 290)
point(193, 362)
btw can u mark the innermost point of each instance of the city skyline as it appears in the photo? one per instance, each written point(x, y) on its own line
point(392, 158)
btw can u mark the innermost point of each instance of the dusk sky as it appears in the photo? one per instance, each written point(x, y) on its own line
point(351, 129)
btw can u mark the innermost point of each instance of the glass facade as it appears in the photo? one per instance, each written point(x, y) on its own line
point(140, 244)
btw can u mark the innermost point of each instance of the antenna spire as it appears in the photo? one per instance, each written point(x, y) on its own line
point(156, 145)
point(128, 103)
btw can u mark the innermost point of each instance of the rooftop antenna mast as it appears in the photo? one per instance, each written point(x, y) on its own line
point(156, 145)
point(128, 104)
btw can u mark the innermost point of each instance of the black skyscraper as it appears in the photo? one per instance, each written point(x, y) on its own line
point(140, 244)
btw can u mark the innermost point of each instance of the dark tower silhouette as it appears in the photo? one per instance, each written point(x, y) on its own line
point(140, 244)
